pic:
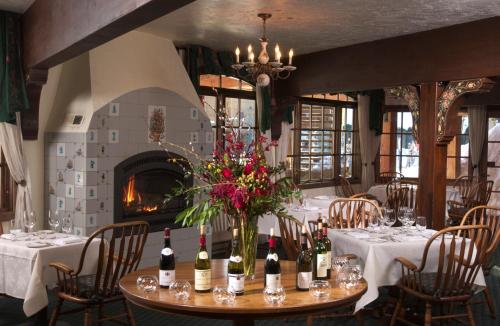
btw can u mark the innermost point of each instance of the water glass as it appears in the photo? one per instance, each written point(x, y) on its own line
point(373, 222)
point(14, 229)
point(67, 224)
point(274, 295)
point(29, 221)
point(147, 283)
point(54, 220)
point(389, 217)
point(320, 289)
point(350, 276)
point(421, 223)
point(180, 289)
point(223, 294)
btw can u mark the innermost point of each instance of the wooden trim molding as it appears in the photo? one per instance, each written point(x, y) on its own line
point(35, 79)
point(448, 105)
point(410, 95)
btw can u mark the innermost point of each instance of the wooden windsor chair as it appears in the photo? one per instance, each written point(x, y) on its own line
point(490, 216)
point(478, 194)
point(462, 251)
point(352, 212)
point(386, 177)
point(290, 230)
point(120, 251)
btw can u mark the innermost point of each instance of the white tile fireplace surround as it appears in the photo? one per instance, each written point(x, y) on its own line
point(79, 166)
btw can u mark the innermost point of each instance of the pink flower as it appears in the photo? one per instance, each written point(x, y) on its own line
point(248, 168)
point(227, 173)
point(262, 169)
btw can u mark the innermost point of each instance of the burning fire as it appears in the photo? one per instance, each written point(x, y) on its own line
point(133, 198)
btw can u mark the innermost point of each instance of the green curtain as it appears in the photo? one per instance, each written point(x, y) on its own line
point(266, 115)
point(12, 88)
point(288, 114)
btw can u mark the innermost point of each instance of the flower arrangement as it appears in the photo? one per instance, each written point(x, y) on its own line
point(238, 182)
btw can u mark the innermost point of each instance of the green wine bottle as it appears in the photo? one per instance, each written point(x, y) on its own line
point(272, 268)
point(328, 245)
point(202, 270)
point(304, 264)
point(320, 256)
point(235, 273)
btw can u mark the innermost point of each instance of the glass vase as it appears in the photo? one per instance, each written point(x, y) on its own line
point(248, 241)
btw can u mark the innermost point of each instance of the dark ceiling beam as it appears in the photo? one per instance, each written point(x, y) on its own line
point(55, 31)
point(457, 52)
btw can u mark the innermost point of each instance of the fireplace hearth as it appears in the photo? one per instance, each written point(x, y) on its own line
point(140, 185)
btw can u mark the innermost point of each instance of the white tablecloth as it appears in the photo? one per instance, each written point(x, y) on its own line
point(25, 272)
point(379, 191)
point(377, 259)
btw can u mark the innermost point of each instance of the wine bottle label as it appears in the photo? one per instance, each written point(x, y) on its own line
point(237, 282)
point(202, 279)
point(235, 259)
point(167, 277)
point(304, 279)
point(272, 256)
point(321, 265)
point(329, 260)
point(167, 251)
point(203, 255)
point(273, 281)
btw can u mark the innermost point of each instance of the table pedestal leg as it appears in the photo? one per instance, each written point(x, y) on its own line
point(244, 322)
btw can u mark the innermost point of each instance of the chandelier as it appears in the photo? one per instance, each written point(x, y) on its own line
point(262, 70)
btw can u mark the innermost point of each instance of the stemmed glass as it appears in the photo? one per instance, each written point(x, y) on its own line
point(29, 221)
point(67, 224)
point(421, 223)
point(54, 220)
point(373, 222)
point(408, 218)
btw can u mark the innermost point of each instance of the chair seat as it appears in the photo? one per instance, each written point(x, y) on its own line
point(86, 288)
point(428, 282)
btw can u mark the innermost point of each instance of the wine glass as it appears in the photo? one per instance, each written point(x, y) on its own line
point(67, 224)
point(421, 223)
point(274, 295)
point(373, 221)
point(29, 221)
point(389, 217)
point(54, 220)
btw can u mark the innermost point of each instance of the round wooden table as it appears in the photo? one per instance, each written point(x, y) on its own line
point(247, 307)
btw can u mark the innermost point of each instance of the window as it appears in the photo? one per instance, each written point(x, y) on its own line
point(493, 170)
point(458, 151)
point(398, 148)
point(325, 140)
point(238, 99)
point(8, 191)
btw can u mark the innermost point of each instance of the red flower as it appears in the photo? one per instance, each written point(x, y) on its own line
point(227, 173)
point(262, 169)
point(238, 199)
point(248, 168)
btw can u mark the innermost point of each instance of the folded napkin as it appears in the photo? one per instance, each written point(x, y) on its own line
point(65, 241)
point(8, 236)
point(359, 235)
point(322, 197)
point(311, 208)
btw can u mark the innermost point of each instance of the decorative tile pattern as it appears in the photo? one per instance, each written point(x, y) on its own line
point(61, 203)
point(79, 177)
point(91, 220)
point(194, 137)
point(194, 113)
point(61, 149)
point(92, 164)
point(91, 192)
point(209, 137)
point(157, 122)
point(70, 191)
point(92, 135)
point(114, 109)
point(113, 136)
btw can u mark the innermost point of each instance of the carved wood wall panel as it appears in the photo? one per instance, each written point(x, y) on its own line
point(447, 99)
point(410, 95)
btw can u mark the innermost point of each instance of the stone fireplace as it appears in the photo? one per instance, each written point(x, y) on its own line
point(141, 182)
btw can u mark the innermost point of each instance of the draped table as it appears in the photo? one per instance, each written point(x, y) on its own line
point(379, 191)
point(378, 258)
point(248, 307)
point(25, 272)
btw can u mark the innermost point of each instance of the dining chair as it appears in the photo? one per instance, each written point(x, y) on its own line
point(366, 195)
point(478, 194)
point(463, 184)
point(120, 251)
point(345, 189)
point(386, 177)
point(408, 197)
point(290, 230)
point(490, 216)
point(458, 264)
point(221, 235)
point(352, 212)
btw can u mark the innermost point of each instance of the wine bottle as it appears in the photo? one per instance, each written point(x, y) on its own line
point(328, 245)
point(202, 270)
point(319, 257)
point(167, 262)
point(318, 222)
point(272, 267)
point(235, 273)
point(304, 263)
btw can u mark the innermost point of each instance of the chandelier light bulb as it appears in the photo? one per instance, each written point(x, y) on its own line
point(278, 56)
point(251, 56)
point(276, 51)
point(290, 55)
point(249, 49)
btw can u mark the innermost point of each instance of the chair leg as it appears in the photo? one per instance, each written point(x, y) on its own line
point(396, 310)
point(100, 314)
point(88, 316)
point(130, 317)
point(490, 303)
point(55, 313)
point(428, 314)
point(470, 315)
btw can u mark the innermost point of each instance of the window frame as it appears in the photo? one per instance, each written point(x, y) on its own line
point(8, 188)
point(295, 156)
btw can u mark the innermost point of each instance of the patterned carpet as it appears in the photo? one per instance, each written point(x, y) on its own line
point(11, 313)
